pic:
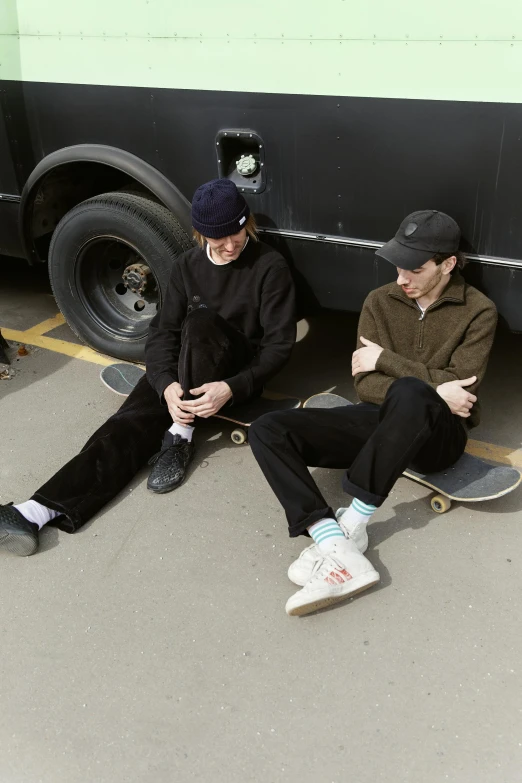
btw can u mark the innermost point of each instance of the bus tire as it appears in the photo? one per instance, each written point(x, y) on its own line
point(109, 264)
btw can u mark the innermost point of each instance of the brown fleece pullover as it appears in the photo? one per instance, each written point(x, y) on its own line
point(451, 341)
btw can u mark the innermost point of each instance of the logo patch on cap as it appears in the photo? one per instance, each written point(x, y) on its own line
point(242, 220)
point(410, 229)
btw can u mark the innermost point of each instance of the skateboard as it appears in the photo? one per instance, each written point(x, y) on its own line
point(469, 480)
point(121, 378)
point(247, 412)
point(326, 400)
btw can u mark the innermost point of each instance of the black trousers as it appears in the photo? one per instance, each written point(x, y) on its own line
point(211, 350)
point(413, 427)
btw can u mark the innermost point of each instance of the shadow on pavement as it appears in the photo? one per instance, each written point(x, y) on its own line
point(26, 299)
point(37, 365)
point(321, 359)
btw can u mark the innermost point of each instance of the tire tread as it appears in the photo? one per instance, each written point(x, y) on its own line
point(156, 217)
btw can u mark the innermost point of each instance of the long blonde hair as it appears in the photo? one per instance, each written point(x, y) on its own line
point(251, 229)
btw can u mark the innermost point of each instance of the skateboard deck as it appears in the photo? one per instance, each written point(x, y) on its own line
point(469, 480)
point(247, 412)
point(121, 378)
point(326, 400)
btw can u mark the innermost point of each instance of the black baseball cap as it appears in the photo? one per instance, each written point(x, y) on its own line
point(420, 236)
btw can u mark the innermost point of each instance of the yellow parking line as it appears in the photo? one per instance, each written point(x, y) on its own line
point(36, 336)
point(45, 326)
point(58, 346)
point(494, 453)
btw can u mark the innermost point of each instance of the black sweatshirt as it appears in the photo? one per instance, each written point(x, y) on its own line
point(254, 294)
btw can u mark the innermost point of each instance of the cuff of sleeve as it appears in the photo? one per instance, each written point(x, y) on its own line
point(386, 363)
point(239, 387)
point(161, 383)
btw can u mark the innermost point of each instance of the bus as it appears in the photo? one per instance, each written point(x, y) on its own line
point(334, 118)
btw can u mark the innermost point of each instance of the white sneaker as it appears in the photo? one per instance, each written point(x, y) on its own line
point(357, 532)
point(301, 569)
point(335, 577)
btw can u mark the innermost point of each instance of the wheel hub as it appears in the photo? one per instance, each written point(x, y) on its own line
point(137, 277)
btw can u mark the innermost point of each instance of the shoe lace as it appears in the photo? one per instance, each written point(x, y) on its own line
point(156, 457)
point(326, 564)
point(177, 443)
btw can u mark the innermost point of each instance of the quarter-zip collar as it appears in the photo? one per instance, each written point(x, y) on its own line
point(455, 292)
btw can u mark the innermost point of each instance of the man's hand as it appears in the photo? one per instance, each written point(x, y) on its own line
point(173, 397)
point(365, 359)
point(459, 400)
point(215, 395)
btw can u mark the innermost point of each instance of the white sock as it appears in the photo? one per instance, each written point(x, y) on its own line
point(326, 534)
point(358, 513)
point(181, 429)
point(35, 512)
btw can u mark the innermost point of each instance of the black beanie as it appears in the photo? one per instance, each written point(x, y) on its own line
point(218, 209)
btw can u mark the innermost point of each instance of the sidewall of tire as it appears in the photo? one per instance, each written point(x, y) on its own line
point(88, 221)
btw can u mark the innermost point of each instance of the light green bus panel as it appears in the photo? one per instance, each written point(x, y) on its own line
point(272, 19)
point(448, 51)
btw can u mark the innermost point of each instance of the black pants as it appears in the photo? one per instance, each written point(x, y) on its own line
point(211, 350)
point(413, 427)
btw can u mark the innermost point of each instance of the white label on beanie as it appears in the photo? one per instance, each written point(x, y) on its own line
point(242, 220)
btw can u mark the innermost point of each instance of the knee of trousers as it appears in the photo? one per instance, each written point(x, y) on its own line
point(199, 321)
point(266, 427)
point(411, 393)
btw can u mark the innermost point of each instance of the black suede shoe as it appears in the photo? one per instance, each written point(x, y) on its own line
point(170, 464)
point(17, 534)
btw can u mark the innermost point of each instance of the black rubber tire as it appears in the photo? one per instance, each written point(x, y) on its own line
point(131, 224)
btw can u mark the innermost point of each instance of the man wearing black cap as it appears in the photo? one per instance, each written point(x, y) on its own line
point(424, 346)
point(227, 325)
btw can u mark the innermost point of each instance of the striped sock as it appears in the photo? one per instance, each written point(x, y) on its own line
point(325, 534)
point(359, 513)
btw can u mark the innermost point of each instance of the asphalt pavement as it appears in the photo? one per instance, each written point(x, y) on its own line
point(152, 646)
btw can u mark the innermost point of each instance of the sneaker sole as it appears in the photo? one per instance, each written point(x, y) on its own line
point(164, 490)
point(361, 584)
point(20, 545)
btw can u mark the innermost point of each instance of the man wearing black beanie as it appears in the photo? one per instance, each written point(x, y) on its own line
point(227, 326)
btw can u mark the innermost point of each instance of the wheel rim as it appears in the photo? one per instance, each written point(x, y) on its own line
point(106, 269)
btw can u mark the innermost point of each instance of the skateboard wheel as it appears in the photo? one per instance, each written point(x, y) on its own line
point(238, 436)
point(440, 504)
